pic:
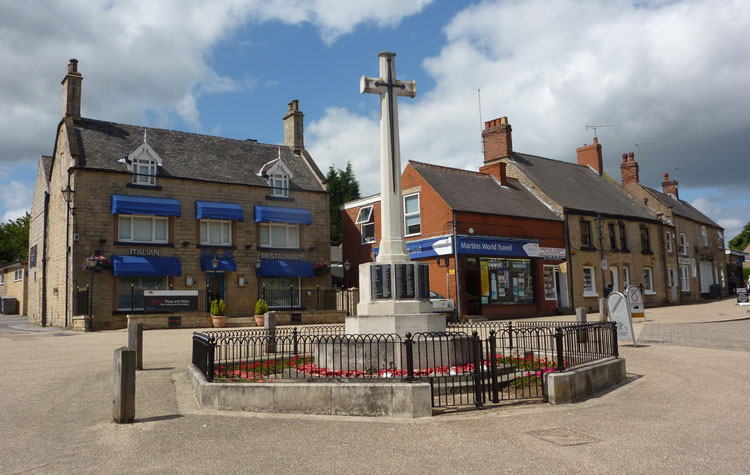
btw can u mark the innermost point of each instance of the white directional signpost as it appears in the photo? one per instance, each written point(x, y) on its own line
point(635, 300)
point(619, 312)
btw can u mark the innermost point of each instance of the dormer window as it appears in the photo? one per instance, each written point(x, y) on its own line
point(144, 171)
point(279, 177)
point(279, 184)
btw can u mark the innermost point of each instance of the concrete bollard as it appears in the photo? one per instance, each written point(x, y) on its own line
point(581, 314)
point(603, 310)
point(135, 342)
point(123, 401)
point(269, 323)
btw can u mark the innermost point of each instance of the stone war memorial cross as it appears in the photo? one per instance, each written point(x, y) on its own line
point(394, 291)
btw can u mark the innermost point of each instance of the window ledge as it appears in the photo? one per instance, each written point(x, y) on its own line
point(215, 246)
point(143, 187)
point(367, 242)
point(279, 198)
point(624, 250)
point(649, 292)
point(590, 294)
point(647, 253)
point(588, 248)
point(266, 248)
point(412, 235)
point(150, 244)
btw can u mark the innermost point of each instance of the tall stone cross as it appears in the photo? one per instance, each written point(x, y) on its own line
point(392, 247)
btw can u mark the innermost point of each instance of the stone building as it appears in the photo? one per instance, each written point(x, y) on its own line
point(207, 217)
point(611, 241)
point(14, 283)
point(693, 243)
point(509, 244)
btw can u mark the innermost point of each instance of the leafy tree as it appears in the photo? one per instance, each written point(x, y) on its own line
point(14, 239)
point(740, 241)
point(342, 187)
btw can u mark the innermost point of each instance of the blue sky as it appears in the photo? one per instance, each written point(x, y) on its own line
point(672, 75)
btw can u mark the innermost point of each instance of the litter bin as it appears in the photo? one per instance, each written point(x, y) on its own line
point(715, 291)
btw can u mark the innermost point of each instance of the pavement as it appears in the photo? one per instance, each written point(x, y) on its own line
point(683, 409)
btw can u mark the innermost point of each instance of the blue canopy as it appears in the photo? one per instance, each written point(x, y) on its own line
point(282, 215)
point(285, 268)
point(225, 264)
point(123, 204)
point(216, 210)
point(142, 266)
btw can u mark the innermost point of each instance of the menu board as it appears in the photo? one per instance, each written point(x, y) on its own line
point(380, 281)
point(405, 285)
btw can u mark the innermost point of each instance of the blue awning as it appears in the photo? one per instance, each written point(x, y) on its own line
point(146, 266)
point(285, 268)
point(123, 204)
point(282, 215)
point(225, 264)
point(216, 210)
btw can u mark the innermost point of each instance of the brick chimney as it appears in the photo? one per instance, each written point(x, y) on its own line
point(591, 155)
point(293, 130)
point(629, 169)
point(71, 83)
point(669, 186)
point(497, 140)
point(498, 170)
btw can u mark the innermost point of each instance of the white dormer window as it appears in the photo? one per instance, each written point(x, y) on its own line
point(279, 177)
point(143, 163)
point(279, 183)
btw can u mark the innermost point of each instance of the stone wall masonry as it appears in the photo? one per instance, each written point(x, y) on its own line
point(576, 384)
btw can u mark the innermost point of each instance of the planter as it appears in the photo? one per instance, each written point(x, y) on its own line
point(260, 320)
point(219, 321)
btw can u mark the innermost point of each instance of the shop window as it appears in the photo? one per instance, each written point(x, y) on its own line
point(683, 244)
point(147, 229)
point(506, 281)
point(130, 291)
point(17, 275)
point(144, 171)
point(216, 232)
point(279, 235)
point(550, 289)
point(685, 278)
point(279, 183)
point(645, 240)
point(612, 237)
point(668, 240)
point(367, 224)
point(589, 282)
point(648, 281)
point(586, 234)
point(625, 277)
point(411, 215)
point(280, 292)
point(623, 238)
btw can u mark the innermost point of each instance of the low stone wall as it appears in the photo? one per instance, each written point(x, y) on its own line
point(362, 398)
point(153, 321)
point(309, 317)
point(576, 384)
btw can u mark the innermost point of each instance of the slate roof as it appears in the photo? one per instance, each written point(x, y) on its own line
point(682, 208)
point(578, 187)
point(480, 193)
point(102, 145)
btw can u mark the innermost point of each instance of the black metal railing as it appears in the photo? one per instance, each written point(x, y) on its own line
point(310, 298)
point(510, 363)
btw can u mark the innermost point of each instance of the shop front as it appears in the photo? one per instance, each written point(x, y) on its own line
point(135, 275)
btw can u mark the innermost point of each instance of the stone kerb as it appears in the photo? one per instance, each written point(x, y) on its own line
point(576, 384)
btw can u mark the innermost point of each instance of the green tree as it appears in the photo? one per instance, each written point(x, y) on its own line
point(14, 239)
point(342, 187)
point(740, 241)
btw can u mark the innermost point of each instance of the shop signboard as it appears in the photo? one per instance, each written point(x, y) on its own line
point(619, 312)
point(423, 248)
point(486, 246)
point(165, 301)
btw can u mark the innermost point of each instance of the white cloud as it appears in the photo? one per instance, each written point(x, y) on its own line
point(13, 214)
point(15, 199)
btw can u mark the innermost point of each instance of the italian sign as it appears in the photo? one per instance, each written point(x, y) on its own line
point(635, 299)
point(162, 301)
point(619, 312)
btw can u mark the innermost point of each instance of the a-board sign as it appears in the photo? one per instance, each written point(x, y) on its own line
point(619, 312)
point(635, 300)
point(158, 301)
point(741, 295)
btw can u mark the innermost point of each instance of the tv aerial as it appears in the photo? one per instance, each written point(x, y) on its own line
point(588, 127)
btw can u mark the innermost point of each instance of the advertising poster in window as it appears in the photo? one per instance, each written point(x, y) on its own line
point(508, 281)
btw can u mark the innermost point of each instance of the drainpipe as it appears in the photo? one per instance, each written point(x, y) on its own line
point(44, 259)
point(67, 255)
point(571, 302)
point(455, 267)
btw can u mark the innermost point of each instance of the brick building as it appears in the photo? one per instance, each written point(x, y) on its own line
point(224, 218)
point(509, 244)
point(611, 240)
point(693, 243)
point(14, 283)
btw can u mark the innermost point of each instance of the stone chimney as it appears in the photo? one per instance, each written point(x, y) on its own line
point(591, 155)
point(629, 169)
point(498, 170)
point(71, 83)
point(669, 186)
point(293, 130)
point(497, 140)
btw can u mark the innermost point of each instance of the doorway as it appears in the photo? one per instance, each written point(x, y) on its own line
point(613, 278)
point(673, 284)
point(214, 288)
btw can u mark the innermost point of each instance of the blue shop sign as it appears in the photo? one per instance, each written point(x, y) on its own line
point(487, 246)
point(439, 246)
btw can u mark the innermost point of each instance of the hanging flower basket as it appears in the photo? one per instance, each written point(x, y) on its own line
point(96, 263)
point(321, 268)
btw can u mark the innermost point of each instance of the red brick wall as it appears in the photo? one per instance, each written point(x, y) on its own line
point(629, 169)
point(591, 155)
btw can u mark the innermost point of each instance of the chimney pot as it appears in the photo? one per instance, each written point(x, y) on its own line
point(666, 176)
point(631, 155)
point(624, 158)
point(73, 65)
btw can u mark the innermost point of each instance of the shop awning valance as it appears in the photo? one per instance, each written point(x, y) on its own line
point(282, 215)
point(216, 210)
point(124, 204)
point(224, 264)
point(285, 268)
point(142, 266)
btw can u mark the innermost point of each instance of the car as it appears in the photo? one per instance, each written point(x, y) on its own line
point(441, 304)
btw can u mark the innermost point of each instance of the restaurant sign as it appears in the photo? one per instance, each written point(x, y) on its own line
point(165, 301)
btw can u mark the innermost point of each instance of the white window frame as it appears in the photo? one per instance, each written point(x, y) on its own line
point(154, 219)
point(289, 230)
point(648, 283)
point(720, 239)
point(412, 214)
point(669, 242)
point(683, 244)
point(223, 240)
point(365, 220)
point(592, 291)
point(279, 183)
point(2, 278)
point(147, 179)
point(17, 275)
point(684, 278)
point(704, 235)
point(554, 283)
point(625, 278)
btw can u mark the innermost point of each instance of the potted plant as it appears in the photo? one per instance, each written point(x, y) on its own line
point(218, 311)
point(261, 307)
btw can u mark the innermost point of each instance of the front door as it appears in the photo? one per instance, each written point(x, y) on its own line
point(214, 288)
point(706, 276)
point(562, 291)
point(673, 284)
point(613, 279)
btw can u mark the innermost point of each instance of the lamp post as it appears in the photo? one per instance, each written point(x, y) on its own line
point(347, 266)
point(599, 220)
point(68, 197)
